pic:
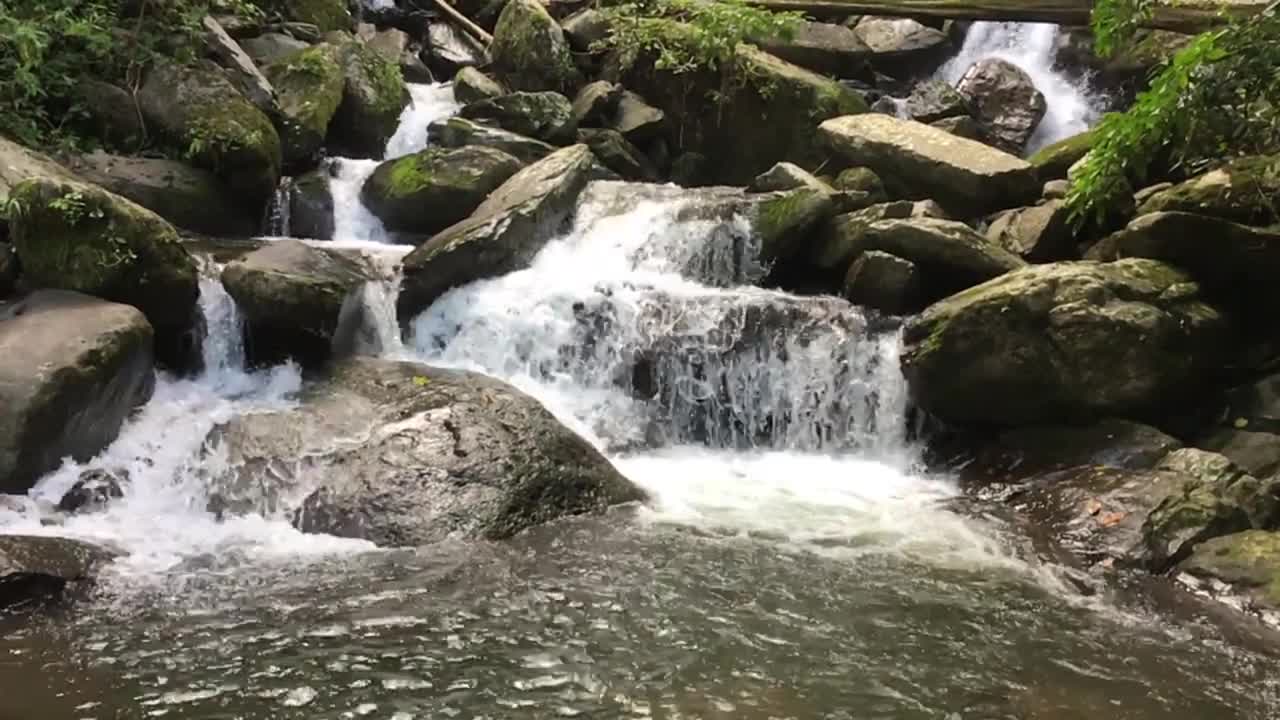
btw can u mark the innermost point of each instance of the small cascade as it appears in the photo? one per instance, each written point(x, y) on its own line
point(1073, 106)
point(279, 209)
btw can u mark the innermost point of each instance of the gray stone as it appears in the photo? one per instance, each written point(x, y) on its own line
point(585, 28)
point(430, 190)
point(1037, 234)
point(311, 206)
point(961, 126)
point(596, 103)
point(883, 282)
point(242, 71)
point(471, 85)
point(822, 47)
point(545, 116)
point(934, 100)
point(452, 50)
point(951, 255)
point(93, 491)
point(459, 132)
point(530, 51)
point(269, 47)
point(618, 155)
point(638, 121)
point(1005, 102)
point(113, 116)
point(39, 569)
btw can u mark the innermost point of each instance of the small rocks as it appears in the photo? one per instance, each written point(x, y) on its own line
point(93, 491)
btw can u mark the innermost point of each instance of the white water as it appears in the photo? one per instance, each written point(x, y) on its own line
point(1072, 105)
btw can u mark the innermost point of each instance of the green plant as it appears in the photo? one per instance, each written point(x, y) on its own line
point(1216, 98)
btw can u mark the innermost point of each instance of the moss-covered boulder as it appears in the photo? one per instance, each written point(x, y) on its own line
point(1245, 190)
point(201, 112)
point(72, 369)
point(19, 163)
point(786, 221)
point(1053, 161)
point(546, 116)
point(767, 115)
point(918, 161)
point(291, 295)
point(530, 51)
point(428, 191)
point(459, 132)
point(503, 234)
point(951, 256)
point(76, 236)
point(309, 88)
point(327, 15)
point(1249, 561)
point(1064, 342)
point(373, 96)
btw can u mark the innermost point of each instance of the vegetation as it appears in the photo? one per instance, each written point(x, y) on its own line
point(51, 45)
point(1218, 97)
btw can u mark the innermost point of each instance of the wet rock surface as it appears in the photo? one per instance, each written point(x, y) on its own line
point(37, 569)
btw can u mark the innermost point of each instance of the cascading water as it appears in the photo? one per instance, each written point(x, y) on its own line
point(1072, 106)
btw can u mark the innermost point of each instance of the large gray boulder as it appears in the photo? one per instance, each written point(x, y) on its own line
point(470, 85)
point(503, 234)
point(453, 51)
point(823, 47)
point(1245, 190)
point(951, 255)
point(546, 116)
point(373, 96)
point(188, 197)
point(410, 454)
point(459, 132)
point(1005, 101)
point(39, 569)
point(428, 191)
point(918, 161)
point(530, 51)
point(618, 155)
point(901, 43)
point(1021, 453)
point(269, 47)
point(1041, 233)
point(18, 163)
point(240, 68)
point(310, 86)
point(1063, 342)
point(934, 100)
point(844, 237)
point(72, 369)
point(884, 282)
point(291, 295)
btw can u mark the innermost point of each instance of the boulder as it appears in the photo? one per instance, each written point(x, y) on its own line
point(269, 47)
point(1038, 234)
point(325, 15)
point(1111, 442)
point(1257, 451)
point(188, 197)
point(638, 121)
point(409, 454)
point(373, 96)
point(1141, 196)
point(38, 569)
point(503, 234)
point(934, 100)
point(690, 169)
point(919, 161)
point(92, 492)
point(459, 132)
point(824, 48)
point(862, 180)
point(585, 28)
point(72, 369)
point(530, 51)
point(951, 255)
point(787, 176)
point(112, 114)
point(545, 116)
point(1236, 264)
point(241, 70)
point(744, 131)
point(391, 43)
point(1005, 102)
point(961, 126)
point(452, 51)
point(786, 222)
point(291, 296)
point(428, 191)
point(18, 163)
point(620, 156)
point(1249, 561)
point(1064, 342)
point(900, 44)
point(844, 237)
point(8, 270)
point(1245, 190)
point(75, 236)
point(884, 282)
point(309, 84)
point(200, 111)
point(311, 206)
point(470, 85)
point(1053, 161)
point(1055, 190)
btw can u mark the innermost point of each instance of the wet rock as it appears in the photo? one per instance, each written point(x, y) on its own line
point(638, 121)
point(961, 126)
point(470, 85)
point(1114, 443)
point(934, 100)
point(618, 155)
point(310, 86)
point(844, 237)
point(325, 15)
point(9, 270)
point(391, 43)
point(311, 206)
point(72, 369)
point(822, 47)
point(1244, 190)
point(373, 96)
point(185, 196)
point(530, 51)
point(1249, 560)
point(75, 236)
point(451, 453)
point(883, 282)
point(269, 47)
point(787, 176)
point(951, 255)
point(918, 161)
point(786, 222)
point(1257, 451)
point(430, 190)
point(863, 180)
point(1037, 234)
point(900, 43)
point(92, 491)
point(1065, 341)
point(37, 569)
point(545, 116)
point(459, 132)
point(291, 295)
point(585, 28)
point(1236, 264)
point(241, 70)
point(1053, 161)
point(113, 116)
point(1005, 102)
point(690, 169)
point(452, 51)
point(503, 234)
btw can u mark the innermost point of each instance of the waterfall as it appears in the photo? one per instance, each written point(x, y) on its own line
point(1072, 105)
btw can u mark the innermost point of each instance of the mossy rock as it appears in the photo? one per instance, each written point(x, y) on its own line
point(75, 236)
point(373, 96)
point(471, 85)
point(547, 116)
point(785, 222)
point(433, 189)
point(203, 114)
point(309, 86)
point(326, 15)
point(530, 51)
point(1053, 161)
point(1248, 560)
point(1244, 190)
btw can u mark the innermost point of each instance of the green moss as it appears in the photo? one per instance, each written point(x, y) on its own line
point(1053, 161)
point(411, 174)
point(529, 49)
point(309, 86)
point(781, 219)
point(1250, 559)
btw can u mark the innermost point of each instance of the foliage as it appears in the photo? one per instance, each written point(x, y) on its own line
point(688, 35)
point(51, 45)
point(1115, 22)
point(1218, 97)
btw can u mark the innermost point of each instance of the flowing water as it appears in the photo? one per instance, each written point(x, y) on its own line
point(1072, 105)
point(793, 562)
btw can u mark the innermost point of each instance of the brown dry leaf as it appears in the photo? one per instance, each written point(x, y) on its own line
point(1112, 518)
